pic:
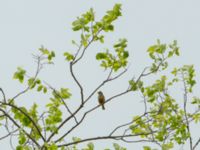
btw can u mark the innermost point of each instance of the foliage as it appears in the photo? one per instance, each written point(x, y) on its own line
point(166, 122)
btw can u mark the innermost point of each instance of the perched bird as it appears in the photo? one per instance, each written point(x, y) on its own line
point(101, 99)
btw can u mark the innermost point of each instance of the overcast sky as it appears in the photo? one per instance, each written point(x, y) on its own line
point(26, 25)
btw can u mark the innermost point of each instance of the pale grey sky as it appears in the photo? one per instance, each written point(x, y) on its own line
point(26, 25)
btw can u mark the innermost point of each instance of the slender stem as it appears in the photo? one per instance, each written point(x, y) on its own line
point(4, 96)
point(63, 101)
point(126, 124)
point(7, 135)
point(85, 48)
point(196, 144)
point(35, 76)
point(185, 110)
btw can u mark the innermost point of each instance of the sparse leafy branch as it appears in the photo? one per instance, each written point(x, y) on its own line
point(19, 127)
point(108, 60)
point(158, 95)
point(63, 94)
point(33, 81)
point(81, 23)
point(26, 119)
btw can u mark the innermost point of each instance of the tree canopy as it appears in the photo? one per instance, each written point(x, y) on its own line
point(165, 122)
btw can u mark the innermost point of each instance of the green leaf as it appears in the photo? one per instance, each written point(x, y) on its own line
point(53, 54)
point(44, 90)
point(81, 22)
point(146, 148)
point(76, 139)
point(19, 147)
point(133, 85)
point(22, 138)
point(90, 146)
point(125, 54)
point(49, 54)
point(31, 83)
point(118, 147)
point(44, 50)
point(40, 87)
point(19, 74)
point(68, 56)
point(64, 92)
point(100, 56)
point(167, 146)
point(170, 54)
point(53, 147)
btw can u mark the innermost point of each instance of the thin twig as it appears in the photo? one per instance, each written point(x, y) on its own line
point(126, 124)
point(85, 48)
point(108, 79)
point(57, 94)
point(35, 76)
point(185, 110)
point(7, 135)
point(4, 96)
point(196, 144)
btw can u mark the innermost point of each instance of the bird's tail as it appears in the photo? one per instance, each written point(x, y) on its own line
point(103, 107)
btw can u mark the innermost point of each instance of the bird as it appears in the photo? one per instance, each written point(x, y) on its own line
point(101, 99)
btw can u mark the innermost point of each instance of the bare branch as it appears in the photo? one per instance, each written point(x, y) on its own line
point(108, 79)
point(196, 144)
point(79, 48)
point(87, 112)
point(4, 96)
point(117, 137)
point(77, 82)
point(9, 134)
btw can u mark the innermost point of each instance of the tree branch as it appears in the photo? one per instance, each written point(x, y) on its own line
point(196, 144)
point(7, 135)
point(117, 137)
point(64, 103)
point(19, 127)
point(77, 82)
point(185, 110)
point(87, 112)
point(85, 48)
point(126, 124)
point(24, 113)
point(35, 76)
point(108, 79)
point(4, 96)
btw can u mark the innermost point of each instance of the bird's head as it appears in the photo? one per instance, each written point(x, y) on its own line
point(100, 93)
